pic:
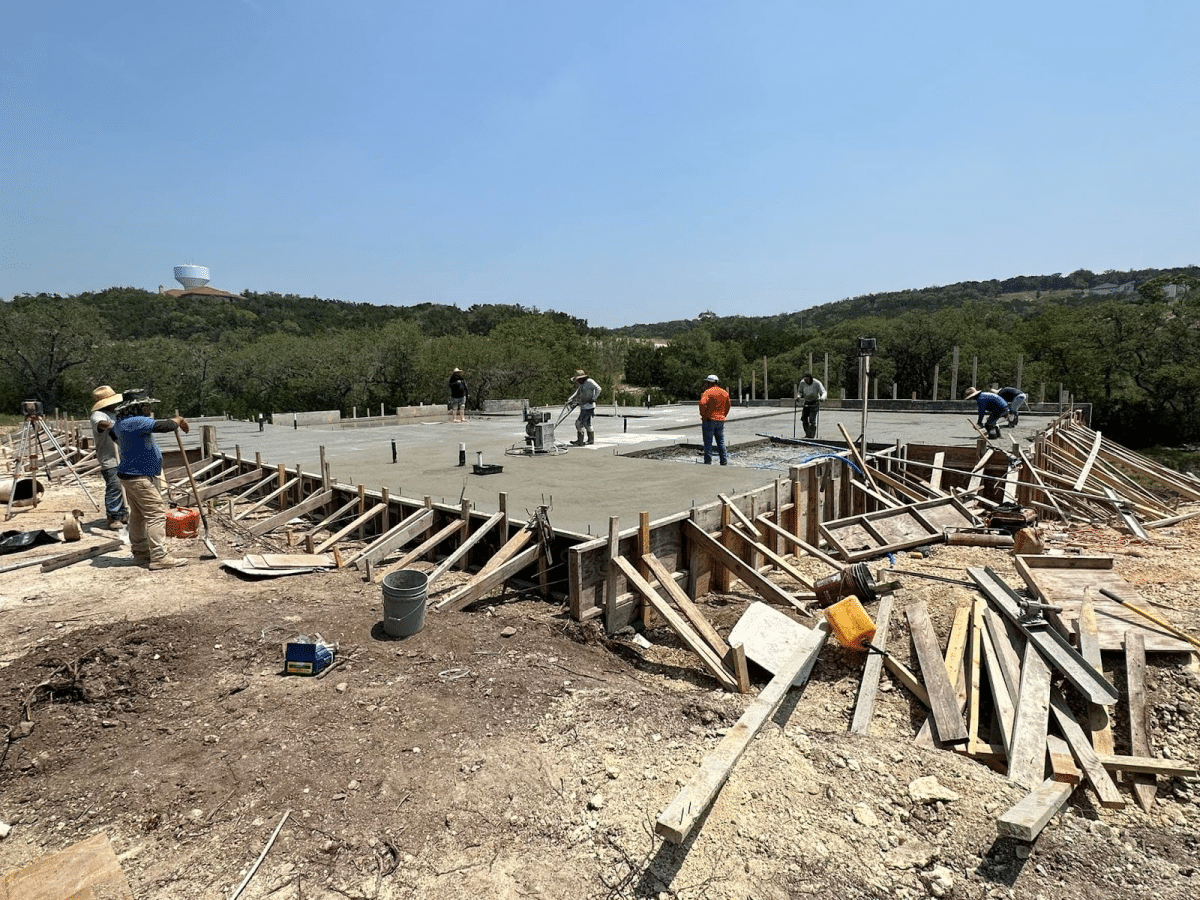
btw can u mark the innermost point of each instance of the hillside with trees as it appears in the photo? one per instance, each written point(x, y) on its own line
point(1133, 353)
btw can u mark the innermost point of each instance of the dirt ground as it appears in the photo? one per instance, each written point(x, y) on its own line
point(509, 752)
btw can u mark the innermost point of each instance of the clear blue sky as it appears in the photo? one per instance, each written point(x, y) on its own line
point(620, 160)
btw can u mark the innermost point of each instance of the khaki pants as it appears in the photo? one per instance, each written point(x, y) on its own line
point(147, 517)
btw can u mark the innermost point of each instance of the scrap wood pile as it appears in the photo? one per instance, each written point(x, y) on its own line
point(1010, 689)
point(1019, 685)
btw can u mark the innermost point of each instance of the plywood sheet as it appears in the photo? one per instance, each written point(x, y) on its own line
point(1069, 582)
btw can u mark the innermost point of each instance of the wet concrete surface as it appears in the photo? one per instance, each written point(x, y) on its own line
point(583, 485)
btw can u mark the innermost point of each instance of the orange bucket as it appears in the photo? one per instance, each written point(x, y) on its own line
point(182, 523)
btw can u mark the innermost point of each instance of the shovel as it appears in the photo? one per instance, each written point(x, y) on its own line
point(195, 493)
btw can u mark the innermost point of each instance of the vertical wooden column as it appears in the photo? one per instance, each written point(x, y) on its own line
point(722, 577)
point(208, 440)
point(610, 583)
point(281, 477)
point(812, 503)
point(699, 567)
point(643, 545)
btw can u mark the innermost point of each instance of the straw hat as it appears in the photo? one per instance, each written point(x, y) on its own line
point(105, 397)
point(971, 392)
point(579, 375)
point(456, 372)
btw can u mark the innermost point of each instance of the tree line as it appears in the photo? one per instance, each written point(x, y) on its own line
point(1136, 357)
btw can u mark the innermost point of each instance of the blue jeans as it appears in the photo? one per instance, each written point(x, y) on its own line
point(714, 429)
point(114, 496)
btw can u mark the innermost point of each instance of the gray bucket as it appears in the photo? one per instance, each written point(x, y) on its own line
point(404, 596)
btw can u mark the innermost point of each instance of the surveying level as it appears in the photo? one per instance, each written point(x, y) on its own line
point(29, 446)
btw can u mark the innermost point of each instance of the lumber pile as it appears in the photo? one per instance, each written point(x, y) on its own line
point(1012, 691)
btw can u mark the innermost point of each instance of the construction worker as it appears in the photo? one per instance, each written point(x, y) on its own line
point(140, 471)
point(587, 392)
point(991, 406)
point(106, 453)
point(714, 407)
point(1015, 400)
point(811, 393)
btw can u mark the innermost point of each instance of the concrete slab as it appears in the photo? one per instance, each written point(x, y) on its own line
point(584, 485)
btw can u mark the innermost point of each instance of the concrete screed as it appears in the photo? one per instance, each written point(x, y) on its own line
point(583, 485)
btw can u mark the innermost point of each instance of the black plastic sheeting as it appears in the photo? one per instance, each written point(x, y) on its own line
point(16, 541)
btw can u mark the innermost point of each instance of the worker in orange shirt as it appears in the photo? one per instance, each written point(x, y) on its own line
point(714, 407)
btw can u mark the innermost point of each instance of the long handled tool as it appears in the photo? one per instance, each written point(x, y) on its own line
point(196, 494)
point(1160, 622)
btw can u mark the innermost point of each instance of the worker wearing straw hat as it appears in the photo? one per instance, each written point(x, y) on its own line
point(107, 455)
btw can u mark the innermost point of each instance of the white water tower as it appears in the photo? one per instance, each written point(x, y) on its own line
point(192, 276)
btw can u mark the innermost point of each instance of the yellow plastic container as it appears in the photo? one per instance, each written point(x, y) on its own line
point(850, 623)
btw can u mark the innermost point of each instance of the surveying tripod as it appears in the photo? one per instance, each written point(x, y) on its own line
point(29, 446)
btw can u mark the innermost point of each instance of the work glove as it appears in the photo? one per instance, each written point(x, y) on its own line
point(181, 423)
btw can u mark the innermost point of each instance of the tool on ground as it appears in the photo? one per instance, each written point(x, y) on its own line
point(1033, 612)
point(1160, 622)
point(941, 578)
point(196, 494)
point(71, 530)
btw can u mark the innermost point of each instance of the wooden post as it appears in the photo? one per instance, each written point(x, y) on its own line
point(1020, 369)
point(324, 470)
point(766, 392)
point(954, 374)
point(643, 540)
point(282, 477)
point(974, 371)
point(936, 368)
point(610, 584)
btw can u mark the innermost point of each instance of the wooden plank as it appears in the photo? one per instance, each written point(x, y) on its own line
point(1168, 768)
point(63, 560)
point(1086, 468)
point(484, 582)
point(292, 560)
point(678, 624)
point(610, 585)
point(1052, 645)
point(1144, 787)
point(868, 687)
point(231, 485)
point(370, 514)
point(1069, 582)
point(1027, 751)
point(802, 544)
point(305, 506)
point(1002, 699)
point(666, 581)
point(421, 549)
point(956, 649)
point(1098, 723)
point(465, 547)
point(263, 501)
point(512, 546)
point(1034, 811)
point(1062, 763)
point(935, 475)
point(947, 716)
point(725, 557)
point(333, 516)
point(1081, 746)
point(974, 670)
point(780, 563)
point(740, 516)
point(417, 522)
point(679, 817)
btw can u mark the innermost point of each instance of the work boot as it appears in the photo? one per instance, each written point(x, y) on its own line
point(591, 436)
point(139, 560)
point(579, 440)
point(166, 562)
point(116, 524)
point(993, 432)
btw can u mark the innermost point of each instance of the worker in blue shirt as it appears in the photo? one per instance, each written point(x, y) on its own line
point(991, 406)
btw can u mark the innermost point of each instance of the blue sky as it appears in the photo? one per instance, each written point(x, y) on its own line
point(620, 161)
